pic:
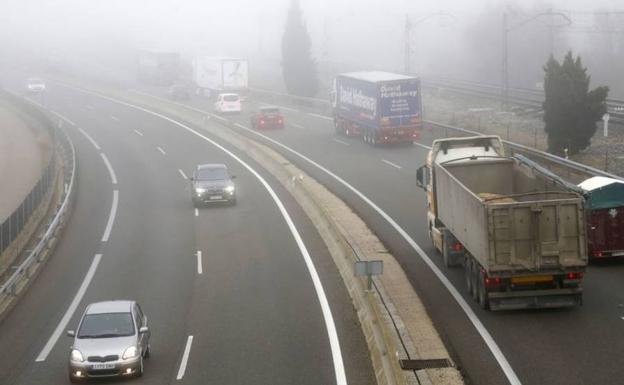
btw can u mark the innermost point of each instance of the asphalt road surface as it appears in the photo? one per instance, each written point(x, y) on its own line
point(568, 346)
point(233, 278)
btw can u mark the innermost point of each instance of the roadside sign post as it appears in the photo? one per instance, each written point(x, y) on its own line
point(368, 268)
point(605, 127)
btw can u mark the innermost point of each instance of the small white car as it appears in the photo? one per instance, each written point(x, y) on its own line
point(228, 103)
point(35, 85)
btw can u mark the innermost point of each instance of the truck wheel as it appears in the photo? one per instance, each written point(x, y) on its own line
point(468, 274)
point(445, 256)
point(484, 302)
point(475, 281)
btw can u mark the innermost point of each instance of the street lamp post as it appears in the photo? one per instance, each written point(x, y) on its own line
point(409, 25)
point(506, 30)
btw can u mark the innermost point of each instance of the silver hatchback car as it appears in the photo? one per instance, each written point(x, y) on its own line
point(112, 340)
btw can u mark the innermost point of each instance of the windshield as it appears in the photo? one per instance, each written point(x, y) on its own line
point(106, 325)
point(216, 173)
point(230, 98)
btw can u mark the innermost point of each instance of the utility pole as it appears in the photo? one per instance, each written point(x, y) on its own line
point(408, 50)
point(505, 79)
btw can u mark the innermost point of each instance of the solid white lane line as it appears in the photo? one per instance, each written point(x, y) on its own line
point(182, 173)
point(63, 117)
point(391, 164)
point(110, 168)
point(89, 138)
point(332, 334)
point(200, 268)
point(139, 133)
point(196, 212)
point(422, 145)
point(89, 107)
point(115, 118)
point(111, 216)
point(60, 328)
point(320, 116)
point(161, 150)
point(342, 142)
point(185, 357)
point(476, 322)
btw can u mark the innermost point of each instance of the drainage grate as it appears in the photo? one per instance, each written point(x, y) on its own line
point(425, 364)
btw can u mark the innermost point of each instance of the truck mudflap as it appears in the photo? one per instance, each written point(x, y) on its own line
point(536, 299)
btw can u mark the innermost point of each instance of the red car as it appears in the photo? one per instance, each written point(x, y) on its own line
point(267, 117)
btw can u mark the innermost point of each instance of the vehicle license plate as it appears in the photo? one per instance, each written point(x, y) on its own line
point(103, 366)
point(216, 197)
point(401, 132)
point(532, 279)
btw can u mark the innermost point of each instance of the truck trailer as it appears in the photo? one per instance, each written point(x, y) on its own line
point(158, 67)
point(517, 229)
point(220, 74)
point(381, 107)
point(605, 217)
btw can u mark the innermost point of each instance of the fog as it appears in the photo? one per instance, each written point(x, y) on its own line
point(448, 38)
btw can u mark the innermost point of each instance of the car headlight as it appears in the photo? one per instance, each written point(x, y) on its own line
point(76, 356)
point(229, 189)
point(200, 190)
point(131, 352)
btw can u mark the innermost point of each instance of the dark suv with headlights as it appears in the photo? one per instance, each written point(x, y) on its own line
point(211, 183)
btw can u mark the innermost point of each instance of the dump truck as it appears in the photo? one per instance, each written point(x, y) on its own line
point(605, 217)
point(517, 229)
point(381, 107)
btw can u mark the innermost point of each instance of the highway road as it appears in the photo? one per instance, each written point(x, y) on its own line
point(569, 346)
point(228, 294)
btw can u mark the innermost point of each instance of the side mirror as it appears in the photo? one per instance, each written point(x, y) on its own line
point(71, 333)
point(143, 329)
point(421, 177)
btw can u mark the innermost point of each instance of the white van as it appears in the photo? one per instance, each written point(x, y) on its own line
point(228, 103)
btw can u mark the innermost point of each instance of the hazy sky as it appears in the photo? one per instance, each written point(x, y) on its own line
point(349, 33)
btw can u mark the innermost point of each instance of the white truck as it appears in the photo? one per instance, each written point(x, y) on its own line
point(220, 74)
point(518, 229)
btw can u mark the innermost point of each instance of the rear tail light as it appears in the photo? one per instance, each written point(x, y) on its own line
point(493, 282)
point(262, 122)
point(457, 247)
point(575, 276)
point(597, 254)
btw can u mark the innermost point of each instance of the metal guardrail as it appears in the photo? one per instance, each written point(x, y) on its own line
point(540, 156)
point(62, 140)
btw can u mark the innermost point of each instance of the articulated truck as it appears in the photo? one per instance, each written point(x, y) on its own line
point(517, 229)
point(381, 107)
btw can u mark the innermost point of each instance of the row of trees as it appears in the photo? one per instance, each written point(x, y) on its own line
point(571, 109)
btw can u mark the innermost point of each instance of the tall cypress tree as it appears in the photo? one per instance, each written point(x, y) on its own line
point(298, 66)
point(570, 109)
